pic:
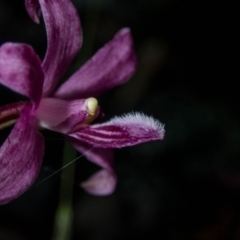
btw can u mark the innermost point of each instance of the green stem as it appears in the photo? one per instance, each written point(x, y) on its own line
point(64, 214)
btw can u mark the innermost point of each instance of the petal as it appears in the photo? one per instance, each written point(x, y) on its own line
point(60, 115)
point(20, 157)
point(10, 113)
point(112, 65)
point(33, 9)
point(120, 132)
point(104, 181)
point(101, 157)
point(64, 39)
point(20, 70)
point(101, 183)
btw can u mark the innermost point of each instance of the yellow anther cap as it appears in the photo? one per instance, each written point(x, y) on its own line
point(92, 105)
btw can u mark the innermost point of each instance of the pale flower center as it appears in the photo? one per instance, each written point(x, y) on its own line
point(93, 112)
point(92, 105)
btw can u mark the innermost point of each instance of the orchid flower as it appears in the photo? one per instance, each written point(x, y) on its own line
point(70, 109)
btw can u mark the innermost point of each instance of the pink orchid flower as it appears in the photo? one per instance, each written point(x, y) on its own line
point(69, 109)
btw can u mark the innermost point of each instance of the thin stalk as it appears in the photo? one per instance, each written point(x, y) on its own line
point(64, 214)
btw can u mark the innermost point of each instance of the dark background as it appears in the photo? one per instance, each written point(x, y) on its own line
point(185, 187)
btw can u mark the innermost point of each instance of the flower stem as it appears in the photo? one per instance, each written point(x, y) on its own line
point(64, 214)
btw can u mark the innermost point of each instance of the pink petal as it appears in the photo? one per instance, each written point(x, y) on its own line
point(20, 157)
point(60, 115)
point(120, 132)
point(20, 70)
point(102, 157)
point(101, 183)
point(64, 39)
point(10, 113)
point(104, 181)
point(112, 65)
point(33, 9)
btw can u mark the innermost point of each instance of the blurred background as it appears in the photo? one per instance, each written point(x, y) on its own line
point(185, 187)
